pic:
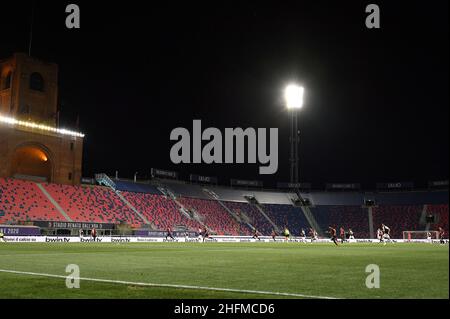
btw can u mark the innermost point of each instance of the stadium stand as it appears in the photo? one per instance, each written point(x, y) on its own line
point(287, 216)
point(93, 204)
point(334, 199)
point(255, 218)
point(214, 216)
point(398, 218)
point(186, 190)
point(24, 201)
point(441, 212)
point(386, 198)
point(161, 212)
point(264, 197)
point(354, 217)
point(412, 198)
point(129, 186)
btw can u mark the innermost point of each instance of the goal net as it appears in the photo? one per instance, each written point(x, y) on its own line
point(420, 234)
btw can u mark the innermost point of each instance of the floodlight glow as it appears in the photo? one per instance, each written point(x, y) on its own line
point(294, 96)
point(13, 121)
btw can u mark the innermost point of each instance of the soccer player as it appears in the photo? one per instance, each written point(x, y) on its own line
point(350, 234)
point(80, 232)
point(386, 233)
point(313, 234)
point(2, 237)
point(205, 234)
point(274, 235)
point(303, 235)
point(256, 234)
point(380, 235)
point(94, 233)
point(333, 236)
point(169, 234)
point(429, 236)
point(286, 234)
point(342, 234)
point(441, 235)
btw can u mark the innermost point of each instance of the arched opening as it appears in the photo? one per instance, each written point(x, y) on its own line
point(31, 162)
point(7, 81)
point(36, 82)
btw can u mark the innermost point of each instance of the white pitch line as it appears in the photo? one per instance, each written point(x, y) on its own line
point(146, 284)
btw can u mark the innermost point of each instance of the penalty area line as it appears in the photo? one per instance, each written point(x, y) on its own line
point(147, 284)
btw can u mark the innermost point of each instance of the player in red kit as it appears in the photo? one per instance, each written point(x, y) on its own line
point(313, 234)
point(441, 235)
point(332, 232)
point(169, 234)
point(342, 234)
point(94, 233)
point(205, 234)
point(256, 234)
point(274, 235)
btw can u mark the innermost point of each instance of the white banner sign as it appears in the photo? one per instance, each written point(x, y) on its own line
point(221, 239)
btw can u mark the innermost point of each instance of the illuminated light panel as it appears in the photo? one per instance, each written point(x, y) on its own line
point(13, 121)
point(294, 96)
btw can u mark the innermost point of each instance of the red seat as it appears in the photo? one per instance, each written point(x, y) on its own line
point(24, 201)
point(93, 204)
point(213, 215)
point(160, 211)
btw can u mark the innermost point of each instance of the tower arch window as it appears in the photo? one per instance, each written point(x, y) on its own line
point(36, 82)
point(31, 160)
point(7, 83)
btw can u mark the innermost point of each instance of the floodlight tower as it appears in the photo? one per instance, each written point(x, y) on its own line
point(293, 96)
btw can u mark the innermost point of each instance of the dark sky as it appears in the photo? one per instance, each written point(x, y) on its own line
point(376, 104)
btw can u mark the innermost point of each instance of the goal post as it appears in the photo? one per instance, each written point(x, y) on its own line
point(420, 234)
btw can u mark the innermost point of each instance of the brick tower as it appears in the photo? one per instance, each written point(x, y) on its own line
point(31, 144)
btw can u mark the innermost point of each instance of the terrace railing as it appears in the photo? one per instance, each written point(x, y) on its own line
point(104, 179)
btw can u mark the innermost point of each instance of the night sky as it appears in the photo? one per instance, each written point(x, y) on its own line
point(376, 104)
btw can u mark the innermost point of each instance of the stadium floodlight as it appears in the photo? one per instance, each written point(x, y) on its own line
point(293, 96)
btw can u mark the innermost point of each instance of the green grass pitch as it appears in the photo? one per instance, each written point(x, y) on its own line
point(323, 270)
